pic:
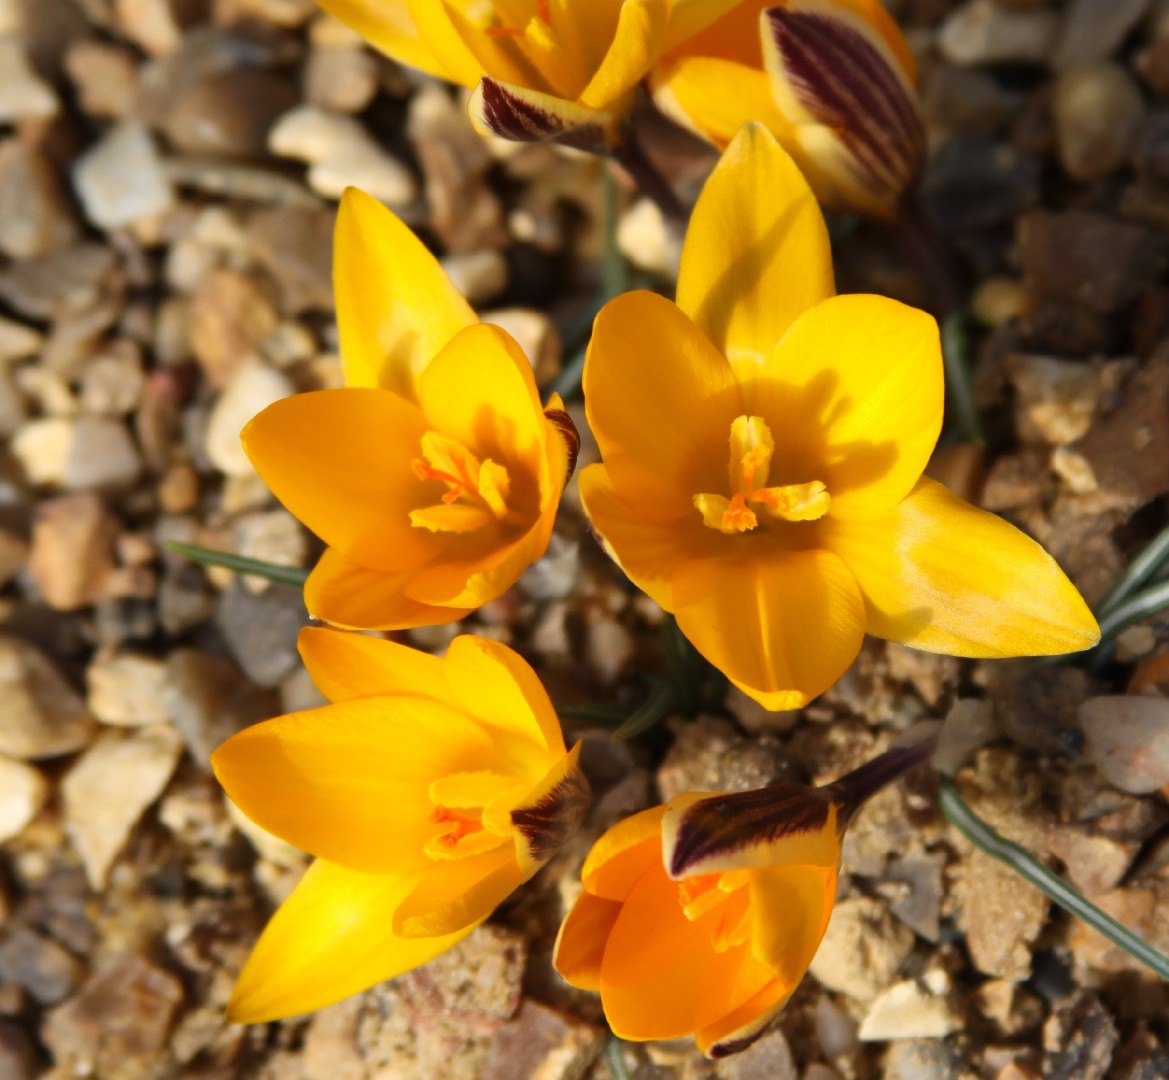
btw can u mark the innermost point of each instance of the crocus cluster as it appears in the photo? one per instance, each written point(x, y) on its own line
point(763, 443)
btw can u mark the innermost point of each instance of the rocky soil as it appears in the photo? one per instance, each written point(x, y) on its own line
point(169, 171)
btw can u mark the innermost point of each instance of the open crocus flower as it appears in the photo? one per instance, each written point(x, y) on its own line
point(541, 68)
point(700, 917)
point(763, 444)
point(833, 80)
point(434, 474)
point(428, 790)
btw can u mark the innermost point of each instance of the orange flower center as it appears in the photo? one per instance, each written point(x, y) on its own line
point(751, 449)
point(472, 812)
point(476, 491)
point(722, 903)
point(534, 44)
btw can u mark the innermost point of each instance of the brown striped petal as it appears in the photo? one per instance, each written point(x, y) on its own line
point(558, 417)
point(551, 812)
point(522, 115)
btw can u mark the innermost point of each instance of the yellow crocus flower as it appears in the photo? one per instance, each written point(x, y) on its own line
point(763, 442)
point(700, 917)
point(562, 69)
point(428, 790)
point(435, 473)
point(833, 80)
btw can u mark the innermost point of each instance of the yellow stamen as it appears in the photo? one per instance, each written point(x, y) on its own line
point(752, 448)
point(476, 491)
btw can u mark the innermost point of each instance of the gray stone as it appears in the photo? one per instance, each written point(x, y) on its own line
point(1098, 112)
point(770, 1058)
point(34, 217)
point(43, 716)
point(983, 32)
point(46, 970)
point(23, 790)
point(1127, 739)
point(1079, 1039)
point(19, 1059)
point(1092, 29)
point(228, 113)
point(261, 630)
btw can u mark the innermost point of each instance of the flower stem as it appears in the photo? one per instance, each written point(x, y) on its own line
point(645, 174)
point(1050, 884)
point(684, 666)
point(615, 1059)
point(282, 575)
point(959, 391)
point(1132, 610)
point(1143, 567)
point(662, 699)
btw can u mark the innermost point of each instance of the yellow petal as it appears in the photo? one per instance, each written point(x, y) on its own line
point(660, 401)
point(480, 391)
point(736, 1031)
point(495, 56)
point(661, 976)
point(782, 626)
point(455, 896)
point(623, 854)
point(344, 593)
point(854, 395)
point(645, 550)
point(331, 938)
point(756, 254)
point(641, 27)
point(396, 307)
point(496, 685)
point(443, 42)
point(519, 113)
point(339, 460)
point(716, 97)
point(790, 909)
point(940, 574)
point(690, 17)
point(339, 780)
point(345, 666)
point(580, 944)
point(387, 25)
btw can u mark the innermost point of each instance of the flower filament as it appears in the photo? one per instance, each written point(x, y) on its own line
point(751, 450)
point(724, 900)
point(476, 491)
point(472, 811)
point(532, 36)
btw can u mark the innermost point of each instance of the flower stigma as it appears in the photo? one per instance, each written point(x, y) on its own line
point(751, 450)
point(476, 493)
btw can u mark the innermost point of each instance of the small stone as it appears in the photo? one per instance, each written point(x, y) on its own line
point(106, 793)
point(68, 280)
point(1127, 739)
point(113, 383)
point(84, 453)
point(152, 24)
point(1055, 399)
point(479, 275)
point(541, 1043)
point(71, 560)
point(261, 631)
point(127, 690)
point(19, 1059)
point(340, 153)
point(178, 490)
point(920, 1059)
point(230, 317)
point(43, 716)
point(35, 219)
point(914, 1009)
point(342, 79)
point(1088, 258)
point(105, 77)
point(863, 949)
point(23, 791)
point(23, 94)
point(1096, 864)
point(228, 113)
point(983, 32)
point(18, 341)
point(769, 1058)
point(46, 970)
point(646, 239)
point(1092, 29)
point(609, 647)
point(119, 1023)
point(1010, 1009)
point(295, 245)
point(969, 725)
point(974, 181)
point(913, 886)
point(1098, 111)
point(253, 388)
point(208, 700)
point(1078, 1039)
point(121, 180)
point(961, 99)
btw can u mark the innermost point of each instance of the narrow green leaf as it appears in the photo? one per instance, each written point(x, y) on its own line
point(282, 575)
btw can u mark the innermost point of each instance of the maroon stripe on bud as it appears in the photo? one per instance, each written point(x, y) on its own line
point(513, 117)
point(725, 824)
point(553, 818)
point(567, 429)
point(846, 84)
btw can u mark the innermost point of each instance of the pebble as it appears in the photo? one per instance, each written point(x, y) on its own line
point(646, 239)
point(119, 1022)
point(922, 1059)
point(43, 715)
point(106, 793)
point(23, 791)
point(71, 560)
point(542, 1043)
point(13, 556)
point(341, 79)
point(975, 181)
point(230, 316)
point(18, 340)
point(127, 689)
point(1127, 740)
point(1098, 112)
point(969, 725)
point(24, 95)
point(261, 631)
point(536, 336)
point(1055, 400)
point(113, 383)
point(1096, 864)
point(65, 280)
point(984, 32)
point(961, 99)
point(81, 454)
point(105, 77)
point(609, 647)
point(121, 180)
point(253, 388)
point(19, 1059)
point(228, 113)
point(1093, 29)
point(863, 949)
point(35, 219)
point(340, 153)
point(914, 1009)
point(1079, 1039)
point(45, 969)
point(295, 245)
point(152, 24)
point(273, 536)
point(479, 275)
